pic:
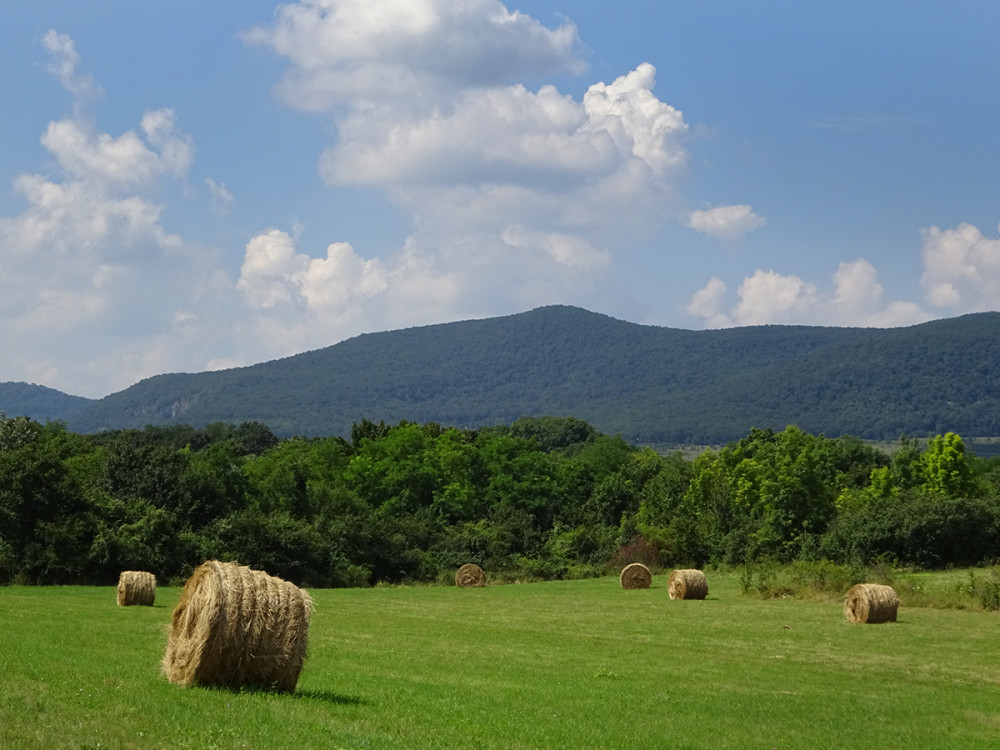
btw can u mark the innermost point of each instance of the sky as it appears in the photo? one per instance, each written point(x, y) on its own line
point(190, 186)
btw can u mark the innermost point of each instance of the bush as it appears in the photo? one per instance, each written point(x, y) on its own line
point(638, 550)
point(928, 530)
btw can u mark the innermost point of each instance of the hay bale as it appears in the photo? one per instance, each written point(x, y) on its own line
point(871, 603)
point(635, 576)
point(235, 627)
point(470, 576)
point(136, 587)
point(687, 584)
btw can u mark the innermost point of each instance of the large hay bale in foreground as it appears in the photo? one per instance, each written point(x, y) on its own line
point(635, 576)
point(871, 603)
point(470, 576)
point(236, 627)
point(687, 584)
point(136, 587)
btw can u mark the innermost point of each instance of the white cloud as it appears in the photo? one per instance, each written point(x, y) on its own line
point(221, 199)
point(274, 275)
point(412, 52)
point(509, 135)
point(725, 222)
point(78, 259)
point(63, 59)
point(518, 197)
point(637, 121)
point(118, 162)
point(708, 303)
point(175, 149)
point(961, 269)
point(768, 297)
point(567, 250)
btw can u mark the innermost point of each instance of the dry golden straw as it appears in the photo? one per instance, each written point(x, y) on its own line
point(871, 603)
point(635, 576)
point(235, 627)
point(470, 576)
point(136, 587)
point(687, 584)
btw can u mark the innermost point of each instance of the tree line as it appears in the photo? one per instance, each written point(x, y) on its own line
point(540, 498)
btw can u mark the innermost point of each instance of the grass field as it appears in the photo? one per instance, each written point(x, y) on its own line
point(573, 664)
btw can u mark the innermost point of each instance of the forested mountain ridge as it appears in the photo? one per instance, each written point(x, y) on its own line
point(39, 402)
point(650, 384)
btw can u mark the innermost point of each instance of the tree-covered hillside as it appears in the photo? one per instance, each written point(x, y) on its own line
point(652, 385)
point(39, 402)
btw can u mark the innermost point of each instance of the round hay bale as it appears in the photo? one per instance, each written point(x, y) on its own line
point(235, 627)
point(871, 603)
point(470, 576)
point(635, 576)
point(136, 587)
point(687, 584)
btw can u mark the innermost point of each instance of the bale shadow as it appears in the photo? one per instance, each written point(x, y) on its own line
point(325, 696)
point(328, 697)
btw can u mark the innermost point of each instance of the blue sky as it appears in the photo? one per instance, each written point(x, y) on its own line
point(192, 186)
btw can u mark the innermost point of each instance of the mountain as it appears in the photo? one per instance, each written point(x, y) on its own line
point(650, 384)
point(40, 403)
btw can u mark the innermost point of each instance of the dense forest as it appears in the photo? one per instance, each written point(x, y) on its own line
point(538, 498)
point(650, 384)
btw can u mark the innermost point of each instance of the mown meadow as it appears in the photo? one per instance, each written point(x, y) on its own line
point(556, 664)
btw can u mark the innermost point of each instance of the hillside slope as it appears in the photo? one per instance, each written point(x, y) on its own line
point(649, 383)
point(39, 402)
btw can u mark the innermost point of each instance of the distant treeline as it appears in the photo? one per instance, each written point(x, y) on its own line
point(539, 498)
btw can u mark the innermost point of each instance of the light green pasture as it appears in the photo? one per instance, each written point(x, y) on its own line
point(572, 664)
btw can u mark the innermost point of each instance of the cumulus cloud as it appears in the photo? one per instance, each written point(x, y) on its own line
point(725, 222)
point(78, 256)
point(274, 275)
point(767, 297)
point(961, 269)
point(509, 135)
point(409, 52)
point(519, 197)
point(303, 301)
point(124, 161)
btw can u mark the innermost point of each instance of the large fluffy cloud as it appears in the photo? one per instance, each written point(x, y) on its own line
point(79, 260)
point(961, 269)
point(519, 197)
point(961, 275)
point(404, 53)
point(767, 297)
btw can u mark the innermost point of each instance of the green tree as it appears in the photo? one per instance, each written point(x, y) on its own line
point(46, 524)
point(945, 468)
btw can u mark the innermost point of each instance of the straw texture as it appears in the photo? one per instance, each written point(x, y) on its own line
point(236, 627)
point(136, 587)
point(635, 576)
point(871, 603)
point(470, 575)
point(687, 584)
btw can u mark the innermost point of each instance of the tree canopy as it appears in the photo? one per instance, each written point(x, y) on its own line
point(537, 498)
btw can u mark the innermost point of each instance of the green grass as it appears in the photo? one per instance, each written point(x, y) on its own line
point(573, 664)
